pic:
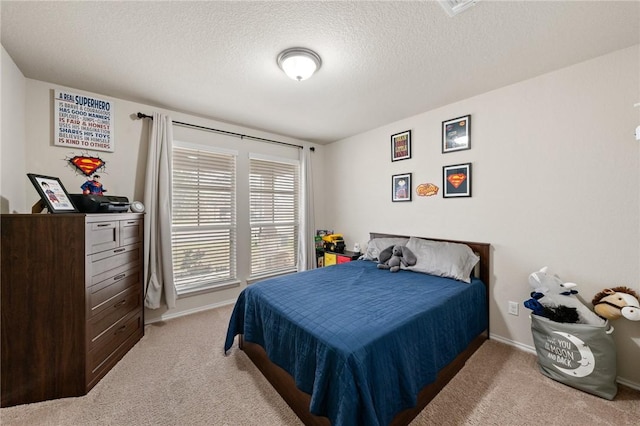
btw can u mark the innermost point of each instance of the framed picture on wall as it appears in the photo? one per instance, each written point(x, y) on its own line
point(401, 187)
point(456, 180)
point(401, 146)
point(456, 134)
point(52, 193)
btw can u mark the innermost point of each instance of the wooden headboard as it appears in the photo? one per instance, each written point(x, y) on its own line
point(482, 249)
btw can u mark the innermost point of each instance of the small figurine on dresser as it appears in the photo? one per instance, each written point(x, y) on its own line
point(93, 186)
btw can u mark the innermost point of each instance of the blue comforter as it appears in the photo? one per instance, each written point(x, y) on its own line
point(360, 340)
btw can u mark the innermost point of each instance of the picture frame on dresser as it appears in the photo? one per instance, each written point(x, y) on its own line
point(52, 193)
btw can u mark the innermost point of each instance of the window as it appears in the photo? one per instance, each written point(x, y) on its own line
point(204, 217)
point(274, 220)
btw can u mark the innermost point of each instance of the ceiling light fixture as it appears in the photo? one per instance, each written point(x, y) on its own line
point(299, 63)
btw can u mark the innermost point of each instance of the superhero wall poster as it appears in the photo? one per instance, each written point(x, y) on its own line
point(456, 134)
point(401, 187)
point(83, 122)
point(456, 180)
point(401, 146)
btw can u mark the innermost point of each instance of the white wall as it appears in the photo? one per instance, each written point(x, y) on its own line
point(555, 182)
point(12, 122)
point(125, 168)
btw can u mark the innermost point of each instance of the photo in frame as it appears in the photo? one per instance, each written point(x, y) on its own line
point(401, 187)
point(456, 180)
point(456, 134)
point(401, 146)
point(52, 193)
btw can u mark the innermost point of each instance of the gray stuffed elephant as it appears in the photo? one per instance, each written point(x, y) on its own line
point(393, 256)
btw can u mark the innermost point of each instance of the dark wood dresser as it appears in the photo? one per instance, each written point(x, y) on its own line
point(71, 301)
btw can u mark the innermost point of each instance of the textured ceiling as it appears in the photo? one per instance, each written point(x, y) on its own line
point(381, 61)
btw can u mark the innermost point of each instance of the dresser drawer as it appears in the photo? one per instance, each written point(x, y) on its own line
point(108, 341)
point(102, 236)
point(101, 294)
point(116, 342)
point(110, 263)
point(100, 326)
point(131, 231)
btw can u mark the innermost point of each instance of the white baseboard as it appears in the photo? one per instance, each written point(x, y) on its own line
point(628, 383)
point(169, 316)
point(532, 350)
point(510, 342)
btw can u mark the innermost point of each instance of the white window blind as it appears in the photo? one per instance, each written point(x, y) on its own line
point(274, 219)
point(204, 218)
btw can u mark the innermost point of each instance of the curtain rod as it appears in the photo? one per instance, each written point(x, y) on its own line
point(225, 132)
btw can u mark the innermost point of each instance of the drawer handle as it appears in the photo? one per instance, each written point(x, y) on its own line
point(117, 277)
point(122, 302)
point(131, 222)
point(102, 225)
point(120, 329)
point(119, 250)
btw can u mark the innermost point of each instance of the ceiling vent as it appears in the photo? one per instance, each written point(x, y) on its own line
point(453, 7)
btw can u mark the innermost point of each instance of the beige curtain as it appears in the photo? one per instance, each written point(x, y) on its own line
point(158, 266)
point(306, 242)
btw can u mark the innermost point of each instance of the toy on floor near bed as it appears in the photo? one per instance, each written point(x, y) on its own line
point(393, 256)
point(554, 299)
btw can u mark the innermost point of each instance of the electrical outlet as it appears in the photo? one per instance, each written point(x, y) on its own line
point(513, 308)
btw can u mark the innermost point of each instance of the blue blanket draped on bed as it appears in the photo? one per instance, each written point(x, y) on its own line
point(360, 340)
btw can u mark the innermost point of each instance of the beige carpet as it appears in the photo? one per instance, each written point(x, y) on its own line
point(178, 375)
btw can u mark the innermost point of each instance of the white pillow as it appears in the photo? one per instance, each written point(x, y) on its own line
point(443, 259)
point(376, 245)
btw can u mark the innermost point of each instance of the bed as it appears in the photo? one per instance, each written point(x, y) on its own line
point(352, 344)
